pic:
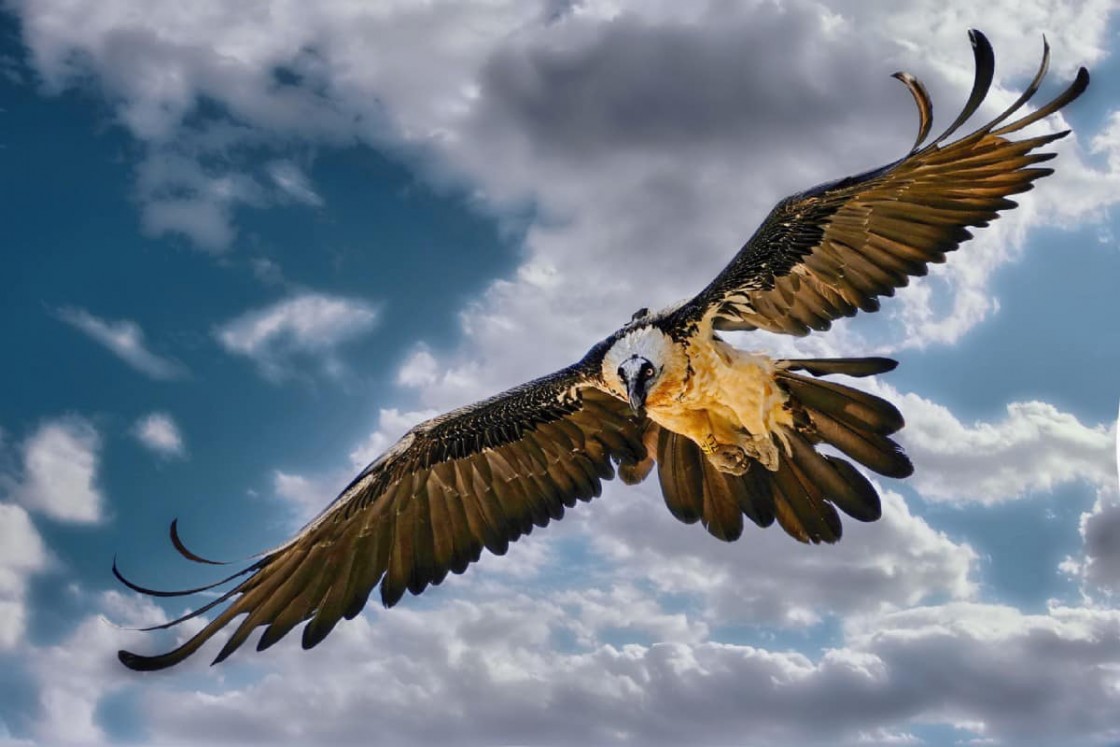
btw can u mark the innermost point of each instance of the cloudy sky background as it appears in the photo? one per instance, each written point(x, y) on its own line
point(247, 245)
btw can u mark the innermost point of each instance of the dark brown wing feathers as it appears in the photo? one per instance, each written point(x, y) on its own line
point(426, 508)
point(824, 253)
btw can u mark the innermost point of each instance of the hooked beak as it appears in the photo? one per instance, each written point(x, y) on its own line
point(637, 373)
point(636, 392)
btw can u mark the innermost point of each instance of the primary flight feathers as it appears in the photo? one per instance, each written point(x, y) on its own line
point(731, 434)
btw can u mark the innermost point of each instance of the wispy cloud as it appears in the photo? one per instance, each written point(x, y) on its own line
point(125, 339)
point(306, 325)
point(159, 433)
point(293, 183)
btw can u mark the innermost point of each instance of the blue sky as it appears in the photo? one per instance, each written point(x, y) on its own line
point(245, 250)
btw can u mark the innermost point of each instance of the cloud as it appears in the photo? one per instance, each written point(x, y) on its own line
point(1035, 448)
point(420, 370)
point(898, 561)
point(306, 496)
point(180, 195)
point(627, 126)
point(986, 670)
point(125, 339)
point(1107, 142)
point(682, 178)
point(74, 676)
point(159, 433)
point(305, 325)
point(206, 222)
point(293, 183)
point(1098, 566)
point(59, 475)
point(22, 553)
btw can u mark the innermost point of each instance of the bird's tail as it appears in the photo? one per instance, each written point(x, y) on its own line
point(805, 490)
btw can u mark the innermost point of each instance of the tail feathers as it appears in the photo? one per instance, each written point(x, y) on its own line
point(866, 505)
point(721, 516)
point(844, 486)
point(818, 520)
point(755, 495)
point(695, 490)
point(632, 473)
point(680, 468)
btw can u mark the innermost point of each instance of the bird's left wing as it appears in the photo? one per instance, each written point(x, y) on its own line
point(478, 477)
point(836, 248)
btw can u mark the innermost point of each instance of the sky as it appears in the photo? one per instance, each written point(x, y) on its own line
point(247, 245)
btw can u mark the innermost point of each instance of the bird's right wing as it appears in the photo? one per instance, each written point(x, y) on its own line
point(478, 477)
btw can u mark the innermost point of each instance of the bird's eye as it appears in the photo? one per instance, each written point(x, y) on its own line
point(647, 372)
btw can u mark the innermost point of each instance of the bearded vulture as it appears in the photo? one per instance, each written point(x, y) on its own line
point(731, 433)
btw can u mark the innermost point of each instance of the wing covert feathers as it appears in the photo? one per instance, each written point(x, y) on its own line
point(827, 252)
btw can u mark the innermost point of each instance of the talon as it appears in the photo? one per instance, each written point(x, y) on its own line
point(730, 459)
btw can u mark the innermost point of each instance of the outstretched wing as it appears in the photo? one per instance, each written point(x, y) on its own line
point(478, 477)
point(826, 252)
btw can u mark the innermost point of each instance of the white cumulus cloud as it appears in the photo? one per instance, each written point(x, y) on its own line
point(989, 671)
point(1036, 447)
point(73, 675)
point(60, 463)
point(293, 183)
point(765, 577)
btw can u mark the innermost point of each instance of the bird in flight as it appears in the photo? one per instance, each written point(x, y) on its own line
point(730, 433)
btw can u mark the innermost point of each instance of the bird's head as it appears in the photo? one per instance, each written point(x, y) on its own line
point(634, 365)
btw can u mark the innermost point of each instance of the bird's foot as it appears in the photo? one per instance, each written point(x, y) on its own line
point(730, 459)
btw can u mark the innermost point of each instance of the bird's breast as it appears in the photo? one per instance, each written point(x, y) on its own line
point(719, 391)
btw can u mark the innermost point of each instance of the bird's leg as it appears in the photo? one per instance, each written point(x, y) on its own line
point(718, 438)
point(763, 449)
